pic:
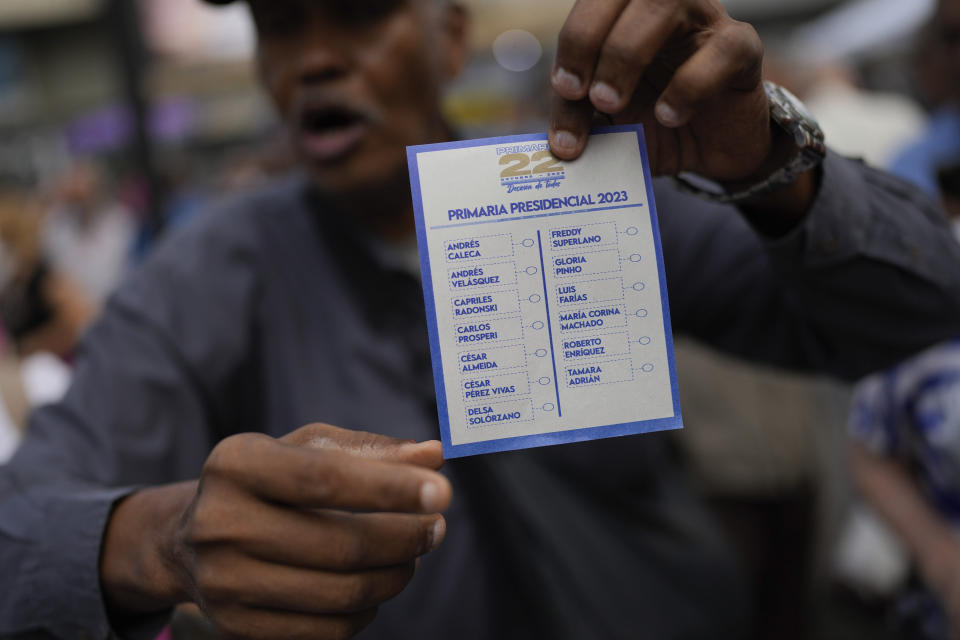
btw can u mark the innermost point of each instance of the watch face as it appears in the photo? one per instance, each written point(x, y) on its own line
point(793, 103)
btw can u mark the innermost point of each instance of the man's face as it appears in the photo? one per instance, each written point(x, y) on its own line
point(356, 81)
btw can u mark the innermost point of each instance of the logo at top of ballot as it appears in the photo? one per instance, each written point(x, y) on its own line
point(529, 166)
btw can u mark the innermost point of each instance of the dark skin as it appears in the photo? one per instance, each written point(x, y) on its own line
point(386, 61)
point(303, 537)
point(298, 537)
point(692, 75)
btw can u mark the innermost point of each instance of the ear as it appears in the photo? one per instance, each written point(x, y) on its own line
point(455, 23)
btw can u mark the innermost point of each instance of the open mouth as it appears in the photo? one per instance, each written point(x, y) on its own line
point(329, 134)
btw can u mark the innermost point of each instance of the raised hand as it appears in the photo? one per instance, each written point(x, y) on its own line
point(683, 68)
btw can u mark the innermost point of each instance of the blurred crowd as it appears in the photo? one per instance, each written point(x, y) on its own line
point(847, 519)
point(64, 246)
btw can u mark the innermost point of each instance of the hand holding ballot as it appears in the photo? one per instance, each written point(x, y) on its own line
point(683, 68)
point(301, 536)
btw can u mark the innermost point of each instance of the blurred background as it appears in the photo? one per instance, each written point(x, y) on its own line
point(120, 119)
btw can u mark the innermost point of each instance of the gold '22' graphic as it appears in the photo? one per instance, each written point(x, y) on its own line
point(518, 163)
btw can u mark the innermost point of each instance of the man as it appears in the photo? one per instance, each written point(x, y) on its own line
point(937, 68)
point(905, 462)
point(294, 305)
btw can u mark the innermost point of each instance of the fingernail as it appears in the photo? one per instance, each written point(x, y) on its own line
point(668, 116)
point(430, 497)
point(566, 82)
point(565, 140)
point(437, 533)
point(603, 95)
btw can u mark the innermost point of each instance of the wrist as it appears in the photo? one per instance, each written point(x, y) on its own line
point(781, 150)
point(139, 572)
point(777, 213)
point(784, 184)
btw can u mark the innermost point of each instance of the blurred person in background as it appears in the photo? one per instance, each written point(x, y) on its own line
point(42, 309)
point(905, 426)
point(42, 315)
point(938, 77)
point(861, 123)
point(300, 302)
point(87, 234)
point(843, 62)
point(904, 423)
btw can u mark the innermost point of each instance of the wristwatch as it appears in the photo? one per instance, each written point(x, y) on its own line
point(792, 116)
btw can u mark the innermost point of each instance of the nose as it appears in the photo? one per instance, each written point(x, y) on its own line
point(320, 66)
point(325, 54)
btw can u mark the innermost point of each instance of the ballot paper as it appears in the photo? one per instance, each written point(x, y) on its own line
point(545, 291)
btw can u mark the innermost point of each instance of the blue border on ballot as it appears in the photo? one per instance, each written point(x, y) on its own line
point(451, 450)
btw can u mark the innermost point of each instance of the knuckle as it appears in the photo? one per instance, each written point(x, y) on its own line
point(317, 432)
point(705, 11)
point(199, 534)
point(618, 55)
point(741, 42)
point(230, 455)
point(212, 583)
point(683, 91)
point(356, 593)
point(349, 551)
point(367, 442)
point(319, 480)
point(669, 7)
point(576, 38)
point(210, 522)
point(570, 115)
point(421, 538)
point(216, 461)
point(321, 437)
point(203, 575)
point(752, 39)
point(318, 428)
point(200, 530)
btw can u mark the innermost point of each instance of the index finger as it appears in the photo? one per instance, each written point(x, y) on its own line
point(308, 478)
point(569, 126)
point(368, 445)
point(579, 43)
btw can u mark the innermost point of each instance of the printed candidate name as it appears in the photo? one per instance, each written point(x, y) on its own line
point(563, 238)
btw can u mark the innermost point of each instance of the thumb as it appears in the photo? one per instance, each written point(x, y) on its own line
point(428, 454)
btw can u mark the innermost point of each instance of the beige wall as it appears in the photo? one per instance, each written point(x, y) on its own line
point(24, 13)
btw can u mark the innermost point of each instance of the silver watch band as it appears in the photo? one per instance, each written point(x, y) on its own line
point(789, 114)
